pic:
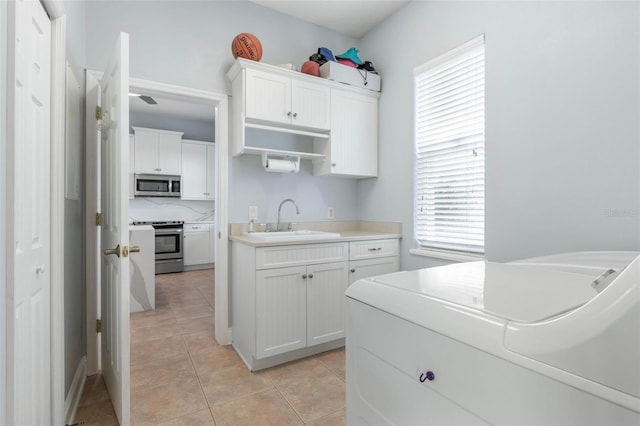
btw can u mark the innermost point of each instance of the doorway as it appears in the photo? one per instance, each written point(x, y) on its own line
point(218, 104)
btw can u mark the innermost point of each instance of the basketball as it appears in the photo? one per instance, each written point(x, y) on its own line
point(246, 45)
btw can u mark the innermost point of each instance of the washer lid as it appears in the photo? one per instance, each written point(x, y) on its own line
point(513, 292)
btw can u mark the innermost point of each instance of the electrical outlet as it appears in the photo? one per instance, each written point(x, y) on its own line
point(253, 212)
point(330, 213)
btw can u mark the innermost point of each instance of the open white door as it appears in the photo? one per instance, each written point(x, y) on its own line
point(114, 265)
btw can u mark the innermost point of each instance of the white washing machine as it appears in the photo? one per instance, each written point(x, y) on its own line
point(547, 341)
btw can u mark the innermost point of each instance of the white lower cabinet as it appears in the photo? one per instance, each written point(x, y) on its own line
point(368, 258)
point(197, 244)
point(287, 301)
point(359, 269)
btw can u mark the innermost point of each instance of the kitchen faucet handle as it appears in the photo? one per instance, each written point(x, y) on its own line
point(290, 227)
point(267, 227)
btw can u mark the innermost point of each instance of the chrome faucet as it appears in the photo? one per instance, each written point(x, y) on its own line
point(280, 208)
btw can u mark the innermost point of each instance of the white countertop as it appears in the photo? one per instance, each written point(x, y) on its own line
point(344, 237)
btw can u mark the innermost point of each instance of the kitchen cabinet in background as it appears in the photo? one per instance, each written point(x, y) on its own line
point(132, 167)
point(157, 151)
point(199, 247)
point(198, 170)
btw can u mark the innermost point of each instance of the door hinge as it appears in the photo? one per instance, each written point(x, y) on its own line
point(98, 112)
point(99, 326)
point(98, 219)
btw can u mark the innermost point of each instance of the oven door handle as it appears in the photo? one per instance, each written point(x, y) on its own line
point(168, 231)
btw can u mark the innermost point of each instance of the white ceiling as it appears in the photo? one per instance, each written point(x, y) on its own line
point(354, 18)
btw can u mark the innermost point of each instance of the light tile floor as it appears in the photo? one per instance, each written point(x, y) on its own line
point(181, 376)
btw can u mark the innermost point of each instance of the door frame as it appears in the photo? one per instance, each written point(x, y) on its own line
point(57, 14)
point(221, 103)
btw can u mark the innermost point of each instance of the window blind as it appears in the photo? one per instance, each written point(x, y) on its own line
point(449, 150)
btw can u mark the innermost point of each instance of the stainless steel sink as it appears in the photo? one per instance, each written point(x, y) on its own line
point(302, 234)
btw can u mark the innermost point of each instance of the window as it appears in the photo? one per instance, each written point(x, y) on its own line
point(449, 149)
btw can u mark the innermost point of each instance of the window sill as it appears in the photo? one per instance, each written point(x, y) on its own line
point(447, 255)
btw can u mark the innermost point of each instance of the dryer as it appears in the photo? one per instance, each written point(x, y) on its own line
point(544, 341)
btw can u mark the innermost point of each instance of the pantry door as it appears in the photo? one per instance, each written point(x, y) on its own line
point(114, 189)
point(28, 293)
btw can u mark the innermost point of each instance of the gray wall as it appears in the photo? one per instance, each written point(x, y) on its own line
point(562, 108)
point(189, 44)
point(74, 289)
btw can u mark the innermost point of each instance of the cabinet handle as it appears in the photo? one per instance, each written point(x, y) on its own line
point(333, 164)
point(375, 249)
point(427, 376)
point(289, 114)
point(310, 275)
point(295, 114)
point(304, 276)
point(353, 270)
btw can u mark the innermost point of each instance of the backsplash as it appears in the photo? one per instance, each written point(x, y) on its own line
point(159, 209)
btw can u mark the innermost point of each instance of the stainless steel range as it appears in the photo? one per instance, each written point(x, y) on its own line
point(168, 239)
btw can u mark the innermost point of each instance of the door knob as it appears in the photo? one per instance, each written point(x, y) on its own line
point(353, 270)
point(134, 249)
point(304, 276)
point(40, 269)
point(295, 114)
point(310, 275)
point(115, 251)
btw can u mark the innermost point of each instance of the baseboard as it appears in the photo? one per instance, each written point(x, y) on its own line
point(72, 400)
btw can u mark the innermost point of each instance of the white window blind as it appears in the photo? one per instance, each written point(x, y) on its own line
point(449, 149)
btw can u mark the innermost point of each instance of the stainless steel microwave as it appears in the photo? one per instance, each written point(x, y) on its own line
point(157, 186)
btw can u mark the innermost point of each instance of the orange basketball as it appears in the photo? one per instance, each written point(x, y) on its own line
point(246, 45)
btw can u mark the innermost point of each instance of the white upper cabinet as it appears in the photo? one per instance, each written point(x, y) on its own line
point(280, 99)
point(337, 124)
point(198, 170)
point(157, 151)
point(352, 147)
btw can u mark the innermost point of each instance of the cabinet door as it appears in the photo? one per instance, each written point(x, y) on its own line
point(196, 246)
point(359, 269)
point(169, 153)
point(211, 172)
point(326, 285)
point(310, 104)
point(281, 314)
point(146, 152)
point(354, 134)
point(268, 97)
point(194, 170)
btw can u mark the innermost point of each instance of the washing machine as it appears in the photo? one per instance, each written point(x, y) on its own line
point(553, 340)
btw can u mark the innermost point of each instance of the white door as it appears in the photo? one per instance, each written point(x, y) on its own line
point(115, 228)
point(28, 387)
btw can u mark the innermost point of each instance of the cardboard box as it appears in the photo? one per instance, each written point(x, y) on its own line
point(349, 75)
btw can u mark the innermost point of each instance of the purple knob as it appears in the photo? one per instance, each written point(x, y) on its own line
point(430, 375)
